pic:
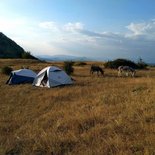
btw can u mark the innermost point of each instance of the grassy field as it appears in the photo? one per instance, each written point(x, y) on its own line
point(95, 116)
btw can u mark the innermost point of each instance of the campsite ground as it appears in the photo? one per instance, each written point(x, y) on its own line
point(96, 115)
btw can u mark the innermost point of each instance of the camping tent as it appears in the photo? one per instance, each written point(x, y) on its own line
point(51, 77)
point(21, 76)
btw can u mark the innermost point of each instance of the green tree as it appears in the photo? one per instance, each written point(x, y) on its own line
point(120, 62)
point(141, 64)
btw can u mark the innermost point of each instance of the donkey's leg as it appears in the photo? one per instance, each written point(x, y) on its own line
point(127, 73)
point(133, 74)
point(97, 73)
point(91, 72)
point(120, 73)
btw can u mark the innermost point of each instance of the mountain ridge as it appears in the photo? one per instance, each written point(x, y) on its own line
point(10, 49)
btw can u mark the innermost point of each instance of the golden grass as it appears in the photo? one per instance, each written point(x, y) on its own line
point(96, 115)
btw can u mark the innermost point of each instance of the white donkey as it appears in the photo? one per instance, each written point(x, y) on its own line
point(126, 70)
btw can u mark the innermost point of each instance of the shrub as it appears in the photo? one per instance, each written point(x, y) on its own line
point(68, 67)
point(120, 62)
point(80, 63)
point(6, 70)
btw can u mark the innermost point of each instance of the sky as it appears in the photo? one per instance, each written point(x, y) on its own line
point(100, 29)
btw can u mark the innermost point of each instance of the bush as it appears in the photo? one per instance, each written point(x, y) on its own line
point(120, 62)
point(6, 70)
point(80, 63)
point(68, 67)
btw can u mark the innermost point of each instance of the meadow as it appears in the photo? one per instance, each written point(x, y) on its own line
point(95, 116)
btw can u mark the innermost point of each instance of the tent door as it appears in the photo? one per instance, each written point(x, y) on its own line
point(44, 80)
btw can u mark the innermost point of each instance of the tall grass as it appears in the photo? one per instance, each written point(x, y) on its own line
point(96, 115)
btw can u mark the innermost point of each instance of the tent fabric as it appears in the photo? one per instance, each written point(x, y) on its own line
point(25, 72)
point(51, 77)
point(21, 76)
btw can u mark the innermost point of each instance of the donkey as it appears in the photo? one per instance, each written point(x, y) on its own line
point(96, 69)
point(126, 70)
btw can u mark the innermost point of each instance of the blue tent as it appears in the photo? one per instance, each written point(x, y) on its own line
point(21, 76)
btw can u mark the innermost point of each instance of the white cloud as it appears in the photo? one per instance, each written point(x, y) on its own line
point(138, 28)
point(143, 30)
point(73, 26)
point(6, 24)
point(49, 25)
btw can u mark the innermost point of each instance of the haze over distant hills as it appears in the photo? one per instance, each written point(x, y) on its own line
point(10, 49)
point(63, 58)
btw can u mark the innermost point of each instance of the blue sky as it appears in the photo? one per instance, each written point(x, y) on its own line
point(105, 29)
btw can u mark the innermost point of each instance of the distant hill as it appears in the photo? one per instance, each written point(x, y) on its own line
point(62, 58)
point(10, 49)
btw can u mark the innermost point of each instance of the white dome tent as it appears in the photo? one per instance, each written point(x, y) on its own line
point(51, 77)
point(21, 76)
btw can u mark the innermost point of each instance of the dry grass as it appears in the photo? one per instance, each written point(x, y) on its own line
point(97, 115)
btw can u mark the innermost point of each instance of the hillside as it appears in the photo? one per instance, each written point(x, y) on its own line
point(95, 116)
point(10, 49)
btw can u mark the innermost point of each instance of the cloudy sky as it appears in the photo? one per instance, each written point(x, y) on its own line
point(104, 29)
